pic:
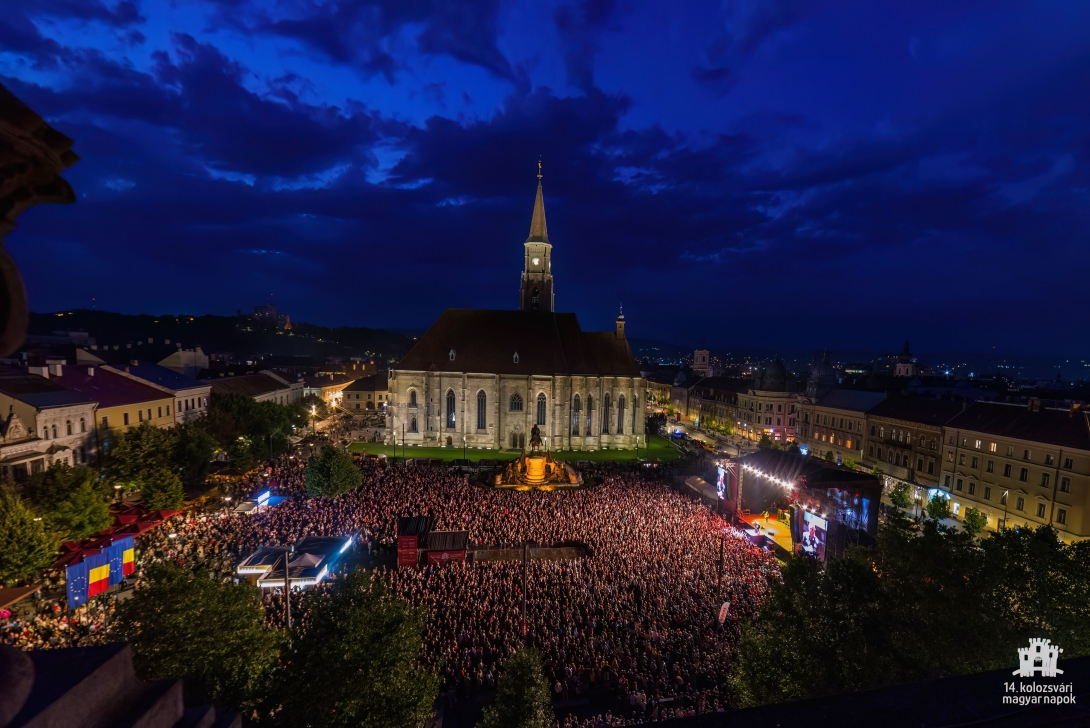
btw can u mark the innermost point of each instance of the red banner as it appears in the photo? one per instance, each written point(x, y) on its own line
point(406, 550)
point(446, 557)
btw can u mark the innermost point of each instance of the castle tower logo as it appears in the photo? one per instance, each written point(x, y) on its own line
point(1039, 657)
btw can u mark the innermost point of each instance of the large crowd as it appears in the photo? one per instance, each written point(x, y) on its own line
point(632, 625)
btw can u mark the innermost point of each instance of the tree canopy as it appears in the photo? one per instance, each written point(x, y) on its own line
point(246, 429)
point(522, 694)
point(73, 502)
point(357, 662)
point(183, 624)
point(896, 612)
point(331, 472)
point(160, 462)
point(25, 545)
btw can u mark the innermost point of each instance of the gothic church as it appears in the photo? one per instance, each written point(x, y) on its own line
point(483, 378)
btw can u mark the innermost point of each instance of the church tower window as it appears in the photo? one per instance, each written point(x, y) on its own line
point(452, 354)
point(482, 410)
point(412, 425)
point(412, 397)
point(450, 409)
point(541, 409)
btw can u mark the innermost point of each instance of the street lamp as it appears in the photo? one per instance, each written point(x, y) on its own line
point(1006, 501)
point(463, 447)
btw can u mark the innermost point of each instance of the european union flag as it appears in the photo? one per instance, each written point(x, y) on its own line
point(76, 577)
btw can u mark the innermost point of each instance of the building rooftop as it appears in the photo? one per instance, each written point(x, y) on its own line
point(37, 391)
point(164, 377)
point(1063, 428)
point(328, 380)
point(851, 399)
point(373, 383)
point(249, 385)
point(934, 412)
point(106, 387)
point(546, 343)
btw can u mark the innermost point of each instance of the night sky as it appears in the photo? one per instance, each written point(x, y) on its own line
point(788, 173)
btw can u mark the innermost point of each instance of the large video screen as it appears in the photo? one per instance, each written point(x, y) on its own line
point(720, 484)
point(814, 528)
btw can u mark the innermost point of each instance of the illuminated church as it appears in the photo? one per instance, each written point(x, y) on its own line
point(484, 378)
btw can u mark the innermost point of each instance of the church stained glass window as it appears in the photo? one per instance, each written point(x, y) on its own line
point(450, 409)
point(516, 403)
point(482, 410)
point(620, 415)
point(575, 416)
point(541, 409)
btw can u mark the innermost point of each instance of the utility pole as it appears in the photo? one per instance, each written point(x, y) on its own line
point(525, 551)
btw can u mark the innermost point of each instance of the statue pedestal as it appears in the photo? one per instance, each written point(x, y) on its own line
point(535, 470)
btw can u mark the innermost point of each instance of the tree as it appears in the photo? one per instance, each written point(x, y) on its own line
point(829, 457)
point(357, 663)
point(192, 453)
point(877, 472)
point(161, 489)
point(975, 521)
point(765, 443)
point(901, 494)
point(264, 425)
point(183, 624)
point(849, 463)
point(73, 502)
point(138, 451)
point(331, 472)
point(874, 617)
point(938, 507)
point(25, 546)
point(522, 694)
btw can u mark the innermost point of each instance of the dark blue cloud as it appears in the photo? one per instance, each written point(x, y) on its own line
point(937, 192)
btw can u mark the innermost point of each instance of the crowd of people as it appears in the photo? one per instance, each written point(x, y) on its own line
point(632, 625)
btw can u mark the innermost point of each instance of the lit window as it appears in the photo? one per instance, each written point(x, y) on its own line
point(1061, 516)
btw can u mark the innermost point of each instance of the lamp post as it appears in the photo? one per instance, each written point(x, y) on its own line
point(1006, 501)
point(463, 447)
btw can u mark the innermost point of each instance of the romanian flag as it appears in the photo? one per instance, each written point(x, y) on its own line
point(98, 579)
point(129, 562)
point(122, 559)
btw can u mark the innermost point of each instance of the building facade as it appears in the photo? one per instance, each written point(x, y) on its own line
point(265, 386)
point(41, 424)
point(835, 423)
point(770, 407)
point(1020, 465)
point(367, 393)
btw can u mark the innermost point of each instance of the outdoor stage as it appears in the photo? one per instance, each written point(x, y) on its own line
point(772, 530)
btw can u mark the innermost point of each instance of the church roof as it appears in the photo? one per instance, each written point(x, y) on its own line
point(547, 343)
point(539, 232)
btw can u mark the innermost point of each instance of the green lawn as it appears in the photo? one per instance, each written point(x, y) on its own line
point(660, 449)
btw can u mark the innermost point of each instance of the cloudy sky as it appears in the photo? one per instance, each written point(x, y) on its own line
point(780, 173)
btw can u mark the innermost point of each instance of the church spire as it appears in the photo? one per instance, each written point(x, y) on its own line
point(539, 233)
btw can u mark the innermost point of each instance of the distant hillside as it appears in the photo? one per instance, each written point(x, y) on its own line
point(244, 336)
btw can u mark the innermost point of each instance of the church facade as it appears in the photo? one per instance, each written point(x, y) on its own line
point(483, 379)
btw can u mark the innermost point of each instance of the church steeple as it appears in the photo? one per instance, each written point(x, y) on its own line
point(539, 232)
point(536, 290)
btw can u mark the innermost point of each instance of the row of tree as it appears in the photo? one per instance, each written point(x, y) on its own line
point(72, 503)
point(356, 663)
point(926, 601)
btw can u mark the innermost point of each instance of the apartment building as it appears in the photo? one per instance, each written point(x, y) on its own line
point(1020, 465)
point(835, 422)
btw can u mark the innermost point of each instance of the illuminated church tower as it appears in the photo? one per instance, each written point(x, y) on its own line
point(536, 292)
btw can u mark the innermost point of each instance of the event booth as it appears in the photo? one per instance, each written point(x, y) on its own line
point(308, 562)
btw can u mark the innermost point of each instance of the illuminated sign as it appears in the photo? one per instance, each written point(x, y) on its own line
point(263, 499)
point(804, 449)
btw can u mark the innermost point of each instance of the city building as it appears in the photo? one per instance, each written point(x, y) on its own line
point(904, 440)
point(42, 423)
point(367, 393)
point(484, 379)
point(265, 386)
point(190, 395)
point(770, 407)
point(712, 402)
point(327, 387)
point(123, 402)
point(1020, 465)
point(835, 423)
point(702, 366)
